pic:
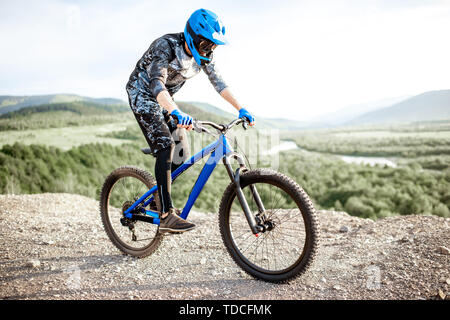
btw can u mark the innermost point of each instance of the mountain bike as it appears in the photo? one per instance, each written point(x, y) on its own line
point(267, 222)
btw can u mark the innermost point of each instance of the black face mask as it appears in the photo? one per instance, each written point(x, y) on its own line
point(204, 46)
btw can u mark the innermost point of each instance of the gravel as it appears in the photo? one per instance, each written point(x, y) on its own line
point(53, 246)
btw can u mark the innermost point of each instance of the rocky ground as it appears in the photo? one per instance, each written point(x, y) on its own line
point(53, 246)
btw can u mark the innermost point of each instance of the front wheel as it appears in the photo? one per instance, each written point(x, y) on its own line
point(288, 244)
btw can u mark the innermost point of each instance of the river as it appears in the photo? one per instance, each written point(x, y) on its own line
point(372, 161)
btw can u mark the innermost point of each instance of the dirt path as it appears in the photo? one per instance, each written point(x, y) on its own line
point(53, 247)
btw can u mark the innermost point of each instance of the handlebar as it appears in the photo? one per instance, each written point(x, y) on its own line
point(223, 128)
point(197, 124)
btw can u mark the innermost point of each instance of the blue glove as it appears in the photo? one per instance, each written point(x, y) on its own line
point(183, 118)
point(245, 114)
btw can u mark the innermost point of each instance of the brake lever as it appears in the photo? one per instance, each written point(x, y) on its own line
point(197, 128)
point(244, 125)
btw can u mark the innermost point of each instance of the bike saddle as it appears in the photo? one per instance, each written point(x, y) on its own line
point(146, 151)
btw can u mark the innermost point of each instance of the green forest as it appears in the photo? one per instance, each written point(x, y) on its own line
point(420, 184)
point(426, 145)
point(57, 115)
point(370, 192)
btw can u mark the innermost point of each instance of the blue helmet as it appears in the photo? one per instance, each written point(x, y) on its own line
point(203, 32)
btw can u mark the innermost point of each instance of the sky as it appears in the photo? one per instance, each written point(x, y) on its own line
point(290, 59)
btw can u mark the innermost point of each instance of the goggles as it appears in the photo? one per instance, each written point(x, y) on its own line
point(206, 47)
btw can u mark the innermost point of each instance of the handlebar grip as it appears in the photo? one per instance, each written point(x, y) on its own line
point(176, 121)
point(174, 118)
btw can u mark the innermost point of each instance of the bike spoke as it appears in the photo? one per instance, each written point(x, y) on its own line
point(290, 219)
point(243, 234)
point(250, 245)
point(278, 248)
point(126, 191)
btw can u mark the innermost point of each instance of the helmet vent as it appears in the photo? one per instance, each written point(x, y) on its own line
point(203, 25)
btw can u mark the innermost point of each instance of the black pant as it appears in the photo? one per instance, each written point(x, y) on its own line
point(165, 164)
point(167, 143)
point(163, 170)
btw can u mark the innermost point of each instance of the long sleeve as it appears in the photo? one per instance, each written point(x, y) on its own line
point(157, 69)
point(214, 76)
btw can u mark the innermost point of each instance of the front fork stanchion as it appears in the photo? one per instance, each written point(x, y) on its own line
point(226, 162)
point(257, 198)
point(241, 162)
point(248, 214)
point(241, 197)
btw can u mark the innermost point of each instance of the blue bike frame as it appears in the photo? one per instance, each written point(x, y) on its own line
point(217, 149)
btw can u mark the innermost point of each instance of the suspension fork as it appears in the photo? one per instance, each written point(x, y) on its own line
point(235, 177)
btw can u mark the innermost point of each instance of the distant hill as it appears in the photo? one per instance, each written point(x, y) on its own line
point(212, 109)
point(285, 124)
point(63, 114)
point(428, 106)
point(346, 114)
point(267, 123)
point(78, 107)
point(13, 103)
point(15, 106)
point(205, 111)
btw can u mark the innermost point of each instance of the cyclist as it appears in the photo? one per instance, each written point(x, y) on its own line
point(159, 74)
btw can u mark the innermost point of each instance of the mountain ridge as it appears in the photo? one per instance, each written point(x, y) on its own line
point(10, 103)
point(350, 112)
point(427, 106)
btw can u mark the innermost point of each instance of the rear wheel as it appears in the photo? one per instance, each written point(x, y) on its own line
point(288, 244)
point(120, 190)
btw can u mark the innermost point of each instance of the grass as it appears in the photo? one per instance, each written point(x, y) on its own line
point(67, 137)
point(91, 143)
point(390, 134)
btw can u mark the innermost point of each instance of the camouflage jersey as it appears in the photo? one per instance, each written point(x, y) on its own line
point(166, 66)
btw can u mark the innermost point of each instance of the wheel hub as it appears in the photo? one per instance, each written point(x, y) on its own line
point(125, 206)
point(126, 222)
point(269, 225)
point(264, 224)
